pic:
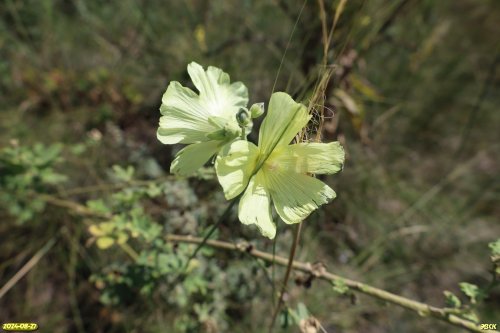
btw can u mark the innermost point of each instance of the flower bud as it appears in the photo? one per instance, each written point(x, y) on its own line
point(243, 117)
point(256, 110)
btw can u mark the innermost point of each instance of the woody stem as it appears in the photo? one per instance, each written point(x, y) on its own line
point(296, 236)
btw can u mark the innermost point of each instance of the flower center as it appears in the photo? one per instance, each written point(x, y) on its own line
point(272, 165)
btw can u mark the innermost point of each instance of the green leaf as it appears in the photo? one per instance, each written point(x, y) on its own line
point(470, 315)
point(95, 230)
point(121, 238)
point(452, 300)
point(302, 311)
point(51, 177)
point(153, 190)
point(98, 206)
point(123, 174)
point(470, 290)
point(495, 249)
point(340, 287)
point(105, 242)
point(78, 149)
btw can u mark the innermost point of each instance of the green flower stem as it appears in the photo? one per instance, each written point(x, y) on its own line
point(129, 250)
point(202, 242)
point(275, 241)
point(210, 233)
point(422, 309)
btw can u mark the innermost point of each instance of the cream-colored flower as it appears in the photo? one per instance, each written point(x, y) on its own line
point(276, 171)
point(206, 121)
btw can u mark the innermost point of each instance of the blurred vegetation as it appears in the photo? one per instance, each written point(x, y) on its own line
point(415, 99)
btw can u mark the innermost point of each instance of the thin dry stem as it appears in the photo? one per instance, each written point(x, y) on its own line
point(422, 309)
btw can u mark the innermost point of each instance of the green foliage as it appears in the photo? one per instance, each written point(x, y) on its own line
point(452, 300)
point(297, 315)
point(122, 226)
point(26, 172)
point(455, 306)
point(475, 294)
point(495, 257)
point(340, 287)
point(126, 216)
point(495, 248)
point(157, 264)
point(196, 290)
point(123, 174)
point(471, 290)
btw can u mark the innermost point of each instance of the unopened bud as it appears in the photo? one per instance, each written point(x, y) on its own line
point(256, 110)
point(243, 117)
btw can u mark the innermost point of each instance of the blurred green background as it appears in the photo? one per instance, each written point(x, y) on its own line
point(414, 94)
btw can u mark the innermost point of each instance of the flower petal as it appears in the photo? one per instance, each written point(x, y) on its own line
point(186, 114)
point(255, 207)
point(295, 196)
point(315, 158)
point(284, 119)
point(191, 158)
point(216, 93)
point(184, 119)
point(235, 165)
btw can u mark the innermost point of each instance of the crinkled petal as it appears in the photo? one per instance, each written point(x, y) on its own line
point(191, 158)
point(186, 114)
point(295, 196)
point(235, 165)
point(314, 158)
point(284, 119)
point(216, 93)
point(184, 119)
point(255, 207)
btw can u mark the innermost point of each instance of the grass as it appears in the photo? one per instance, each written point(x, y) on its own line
point(416, 202)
